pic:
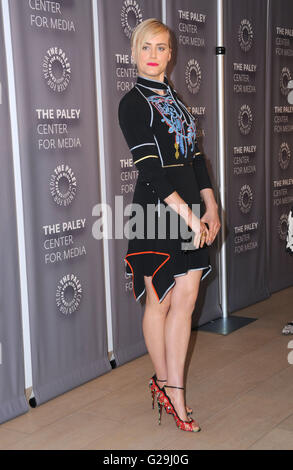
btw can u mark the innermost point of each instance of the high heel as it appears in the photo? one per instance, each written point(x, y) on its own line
point(164, 401)
point(155, 389)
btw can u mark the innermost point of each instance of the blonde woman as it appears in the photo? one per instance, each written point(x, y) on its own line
point(161, 135)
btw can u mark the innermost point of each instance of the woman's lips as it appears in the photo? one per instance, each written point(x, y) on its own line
point(153, 64)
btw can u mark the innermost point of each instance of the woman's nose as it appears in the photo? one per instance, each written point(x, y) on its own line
point(153, 52)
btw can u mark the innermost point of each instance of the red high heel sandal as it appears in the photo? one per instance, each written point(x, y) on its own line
point(165, 401)
point(155, 389)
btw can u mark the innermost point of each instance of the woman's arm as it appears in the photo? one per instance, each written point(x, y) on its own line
point(211, 215)
point(134, 119)
point(176, 202)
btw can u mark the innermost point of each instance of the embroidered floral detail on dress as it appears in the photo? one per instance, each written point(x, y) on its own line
point(172, 115)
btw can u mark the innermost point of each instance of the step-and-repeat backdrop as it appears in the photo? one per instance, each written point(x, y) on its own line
point(56, 97)
point(279, 141)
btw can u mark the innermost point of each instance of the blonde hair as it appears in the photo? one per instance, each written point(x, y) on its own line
point(150, 26)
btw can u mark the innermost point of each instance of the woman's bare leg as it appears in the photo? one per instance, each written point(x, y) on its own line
point(177, 334)
point(153, 326)
point(154, 330)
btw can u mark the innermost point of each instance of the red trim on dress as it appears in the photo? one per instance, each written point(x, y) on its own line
point(141, 253)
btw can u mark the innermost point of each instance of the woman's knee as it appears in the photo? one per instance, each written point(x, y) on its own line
point(185, 302)
point(185, 293)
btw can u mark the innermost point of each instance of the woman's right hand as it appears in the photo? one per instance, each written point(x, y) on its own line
point(199, 228)
point(179, 205)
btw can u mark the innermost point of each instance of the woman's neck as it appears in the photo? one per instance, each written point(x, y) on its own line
point(160, 78)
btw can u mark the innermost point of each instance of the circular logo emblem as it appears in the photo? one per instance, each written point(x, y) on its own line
point(131, 16)
point(68, 294)
point(284, 155)
point(193, 76)
point(63, 185)
point(245, 199)
point(285, 78)
point(245, 119)
point(245, 35)
point(283, 227)
point(56, 69)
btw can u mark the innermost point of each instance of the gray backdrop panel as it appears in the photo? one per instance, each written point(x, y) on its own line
point(245, 39)
point(55, 85)
point(194, 76)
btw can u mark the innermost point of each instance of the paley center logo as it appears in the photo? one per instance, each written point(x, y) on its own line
point(68, 294)
point(283, 227)
point(56, 69)
point(245, 119)
point(245, 199)
point(193, 76)
point(131, 16)
point(284, 155)
point(245, 35)
point(63, 185)
point(285, 79)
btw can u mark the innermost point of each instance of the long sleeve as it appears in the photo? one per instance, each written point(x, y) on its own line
point(134, 119)
point(200, 170)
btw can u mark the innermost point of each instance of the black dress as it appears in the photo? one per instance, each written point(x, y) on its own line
point(161, 135)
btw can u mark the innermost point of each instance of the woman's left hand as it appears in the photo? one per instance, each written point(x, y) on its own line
point(211, 217)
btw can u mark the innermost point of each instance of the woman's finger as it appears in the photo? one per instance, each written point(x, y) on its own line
point(214, 231)
point(204, 236)
point(196, 240)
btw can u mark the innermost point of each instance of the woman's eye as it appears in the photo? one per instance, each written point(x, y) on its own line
point(161, 49)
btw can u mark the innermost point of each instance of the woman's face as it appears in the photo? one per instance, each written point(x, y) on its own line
point(153, 55)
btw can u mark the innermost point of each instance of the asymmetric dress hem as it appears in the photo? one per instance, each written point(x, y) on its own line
point(206, 272)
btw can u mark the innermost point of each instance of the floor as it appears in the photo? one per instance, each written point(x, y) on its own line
point(240, 386)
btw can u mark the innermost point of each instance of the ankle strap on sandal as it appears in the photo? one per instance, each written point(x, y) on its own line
point(172, 386)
